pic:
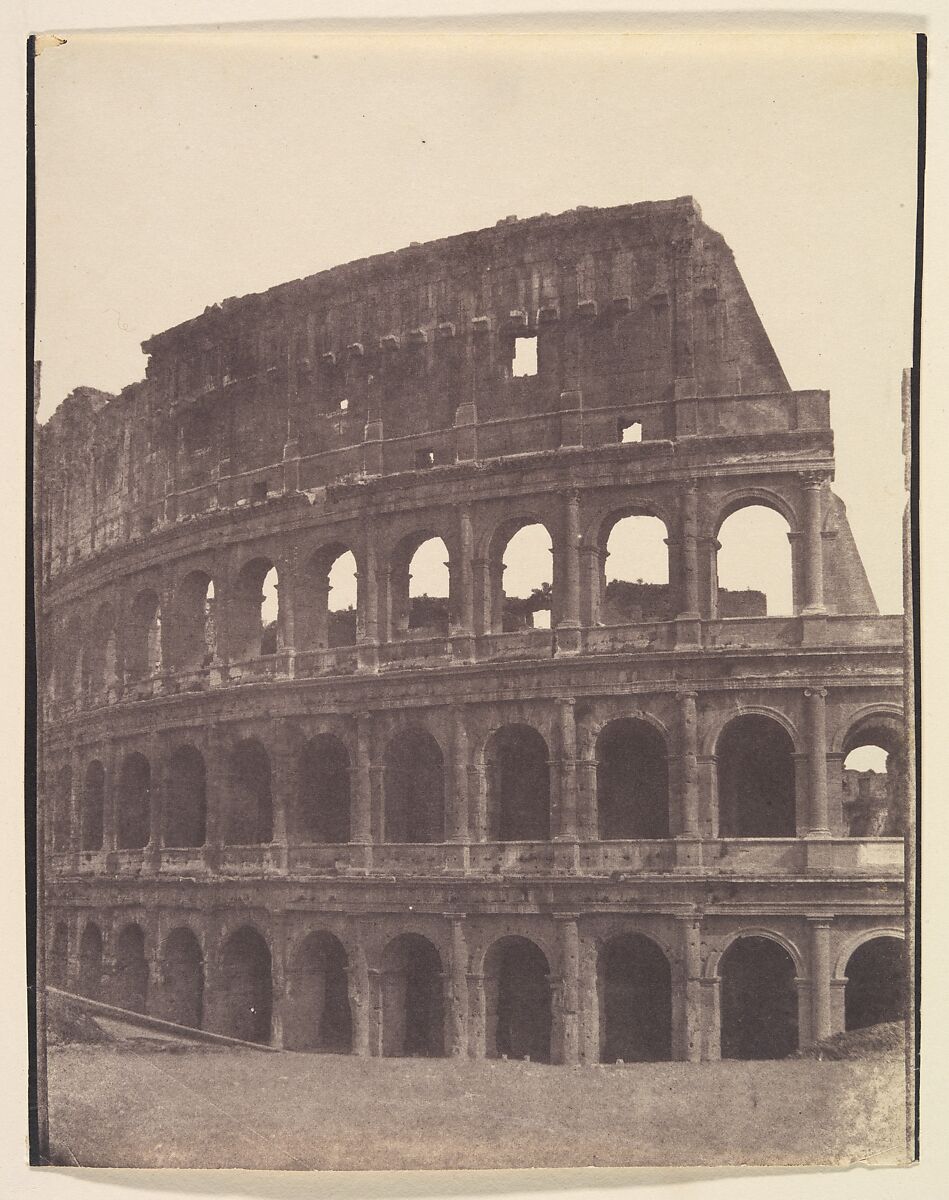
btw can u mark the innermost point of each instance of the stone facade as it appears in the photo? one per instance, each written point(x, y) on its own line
point(569, 843)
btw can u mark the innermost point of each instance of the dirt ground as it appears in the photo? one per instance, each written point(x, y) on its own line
point(134, 1104)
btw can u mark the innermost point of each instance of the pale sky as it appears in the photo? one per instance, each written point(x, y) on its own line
point(174, 170)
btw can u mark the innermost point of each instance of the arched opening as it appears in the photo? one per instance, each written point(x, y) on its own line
point(522, 581)
point(753, 564)
point(90, 961)
point(342, 597)
point(62, 810)
point(632, 781)
point(134, 815)
point(759, 1000)
point(873, 787)
point(329, 616)
point(249, 820)
point(256, 613)
point(93, 807)
point(518, 1015)
point(183, 979)
point(67, 662)
point(412, 1015)
point(196, 630)
point(143, 649)
point(756, 779)
point(246, 987)
point(518, 785)
point(635, 989)
point(419, 587)
point(101, 656)
point(185, 809)
point(131, 970)
point(323, 801)
point(634, 572)
point(318, 1015)
point(428, 583)
point(876, 983)
point(57, 969)
point(414, 788)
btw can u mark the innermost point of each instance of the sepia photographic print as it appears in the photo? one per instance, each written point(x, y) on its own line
point(474, 680)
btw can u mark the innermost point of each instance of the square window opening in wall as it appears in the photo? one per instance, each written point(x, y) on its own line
point(259, 490)
point(630, 431)
point(525, 357)
point(424, 458)
point(344, 405)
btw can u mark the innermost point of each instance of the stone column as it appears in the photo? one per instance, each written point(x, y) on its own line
point(688, 549)
point(456, 825)
point(688, 766)
point(156, 789)
point(359, 998)
point(278, 977)
point(712, 995)
point(568, 627)
point(463, 640)
point(568, 771)
point(481, 589)
point(478, 798)
point(283, 779)
point(362, 792)
point(476, 1015)
point(110, 803)
point(821, 1014)
point(216, 795)
point(377, 788)
point(838, 1005)
point(367, 600)
point(690, 1038)
point(813, 544)
point(589, 1003)
point(587, 818)
point(709, 817)
point(376, 981)
point(818, 815)
point(589, 585)
point(77, 777)
point(569, 941)
point(458, 988)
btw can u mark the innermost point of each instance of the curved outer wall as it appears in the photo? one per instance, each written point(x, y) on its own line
point(364, 409)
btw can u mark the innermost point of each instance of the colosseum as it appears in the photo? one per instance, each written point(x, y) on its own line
point(315, 774)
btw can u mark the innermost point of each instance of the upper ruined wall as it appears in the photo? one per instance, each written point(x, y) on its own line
point(404, 360)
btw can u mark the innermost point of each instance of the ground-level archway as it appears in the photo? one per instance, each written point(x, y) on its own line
point(876, 984)
point(130, 989)
point(318, 1015)
point(413, 1023)
point(759, 1000)
point(57, 970)
point(183, 979)
point(635, 989)
point(518, 1011)
point(90, 962)
point(246, 988)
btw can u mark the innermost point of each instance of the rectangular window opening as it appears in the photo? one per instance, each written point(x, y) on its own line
point(424, 458)
point(525, 357)
point(258, 491)
point(630, 431)
point(344, 405)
